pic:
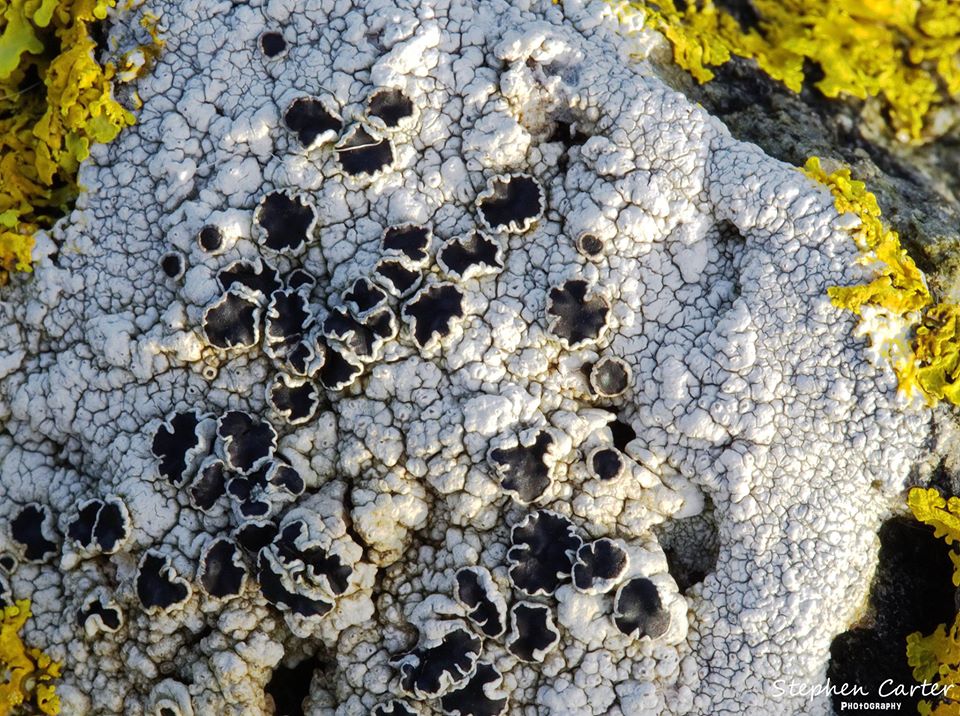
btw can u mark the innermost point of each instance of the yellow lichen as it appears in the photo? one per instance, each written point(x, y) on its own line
point(925, 352)
point(26, 674)
point(55, 101)
point(935, 658)
point(904, 52)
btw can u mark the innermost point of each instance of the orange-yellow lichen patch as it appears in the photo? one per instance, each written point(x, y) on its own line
point(55, 101)
point(925, 348)
point(935, 658)
point(905, 52)
point(26, 674)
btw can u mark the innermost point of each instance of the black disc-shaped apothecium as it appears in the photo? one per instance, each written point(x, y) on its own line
point(296, 400)
point(600, 565)
point(522, 469)
point(362, 153)
point(470, 256)
point(482, 695)
point(32, 527)
point(312, 122)
point(576, 316)
point(272, 43)
point(209, 485)
point(610, 377)
point(390, 106)
point(433, 312)
point(233, 320)
point(476, 590)
point(429, 672)
point(533, 633)
point(157, 583)
point(222, 572)
point(409, 240)
point(639, 611)
point(247, 440)
point(606, 463)
point(541, 558)
point(284, 222)
point(512, 203)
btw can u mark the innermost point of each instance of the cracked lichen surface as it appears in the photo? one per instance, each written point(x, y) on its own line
point(748, 386)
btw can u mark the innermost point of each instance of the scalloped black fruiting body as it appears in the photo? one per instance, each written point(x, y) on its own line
point(541, 557)
point(533, 634)
point(430, 672)
point(296, 400)
point(610, 377)
point(172, 264)
point(599, 566)
point(157, 584)
point(473, 698)
point(288, 318)
point(247, 440)
point(573, 316)
point(222, 571)
point(364, 338)
point(362, 153)
point(259, 277)
point(233, 321)
point(275, 593)
point(313, 123)
point(397, 278)
point(363, 297)
point(210, 238)
point(638, 609)
point(209, 485)
point(395, 707)
point(476, 590)
point(300, 280)
point(606, 463)
point(472, 255)
point(112, 526)
point(99, 615)
point(27, 529)
point(590, 245)
point(315, 559)
point(80, 528)
point(433, 312)
point(512, 203)
point(522, 470)
point(286, 222)
point(409, 240)
point(255, 535)
point(272, 43)
point(390, 106)
point(337, 372)
point(173, 441)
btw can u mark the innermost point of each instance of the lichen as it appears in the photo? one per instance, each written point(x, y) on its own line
point(26, 674)
point(924, 345)
point(904, 53)
point(55, 101)
point(935, 658)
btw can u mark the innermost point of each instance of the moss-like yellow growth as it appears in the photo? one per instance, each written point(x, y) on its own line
point(55, 101)
point(904, 52)
point(925, 353)
point(26, 674)
point(935, 658)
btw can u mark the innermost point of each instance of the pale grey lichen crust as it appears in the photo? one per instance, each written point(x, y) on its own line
point(748, 389)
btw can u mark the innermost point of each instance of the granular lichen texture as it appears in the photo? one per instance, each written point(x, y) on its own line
point(430, 357)
point(56, 100)
point(904, 52)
